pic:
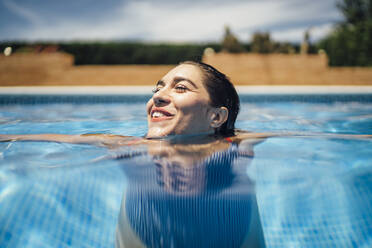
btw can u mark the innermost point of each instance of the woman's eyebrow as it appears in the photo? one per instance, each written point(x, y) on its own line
point(179, 79)
point(160, 83)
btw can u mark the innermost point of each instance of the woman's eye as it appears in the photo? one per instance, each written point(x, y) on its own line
point(180, 88)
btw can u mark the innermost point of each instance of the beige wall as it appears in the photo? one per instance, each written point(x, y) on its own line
point(286, 69)
point(243, 69)
point(58, 69)
point(30, 68)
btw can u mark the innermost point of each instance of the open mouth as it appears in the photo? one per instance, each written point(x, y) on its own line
point(160, 115)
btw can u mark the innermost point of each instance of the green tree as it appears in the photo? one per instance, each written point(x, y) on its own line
point(230, 43)
point(261, 43)
point(285, 47)
point(356, 11)
point(350, 44)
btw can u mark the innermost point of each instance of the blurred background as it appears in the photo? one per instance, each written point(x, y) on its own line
point(75, 42)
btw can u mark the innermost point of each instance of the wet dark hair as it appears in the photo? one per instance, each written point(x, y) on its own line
point(222, 94)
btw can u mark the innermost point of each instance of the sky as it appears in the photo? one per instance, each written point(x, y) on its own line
point(164, 20)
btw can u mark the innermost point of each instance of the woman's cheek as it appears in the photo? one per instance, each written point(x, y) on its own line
point(192, 103)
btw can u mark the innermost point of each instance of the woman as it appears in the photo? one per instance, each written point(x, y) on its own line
point(190, 193)
point(192, 99)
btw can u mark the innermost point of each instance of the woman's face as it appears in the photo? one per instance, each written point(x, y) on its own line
point(180, 104)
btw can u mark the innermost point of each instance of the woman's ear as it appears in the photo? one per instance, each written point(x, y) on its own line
point(219, 116)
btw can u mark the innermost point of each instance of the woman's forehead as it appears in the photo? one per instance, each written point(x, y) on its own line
point(187, 71)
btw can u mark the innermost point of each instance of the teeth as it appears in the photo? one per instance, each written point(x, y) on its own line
point(157, 114)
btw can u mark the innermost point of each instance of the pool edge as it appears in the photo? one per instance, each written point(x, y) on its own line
point(145, 89)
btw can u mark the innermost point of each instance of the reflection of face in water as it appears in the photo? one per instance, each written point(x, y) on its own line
point(189, 197)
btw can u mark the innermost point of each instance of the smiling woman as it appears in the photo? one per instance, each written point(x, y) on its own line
point(185, 102)
point(180, 104)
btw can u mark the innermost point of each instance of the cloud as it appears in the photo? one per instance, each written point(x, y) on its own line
point(185, 21)
point(204, 21)
point(297, 34)
point(294, 21)
point(321, 31)
point(25, 13)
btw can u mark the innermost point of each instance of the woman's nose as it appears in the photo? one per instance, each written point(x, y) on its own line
point(161, 97)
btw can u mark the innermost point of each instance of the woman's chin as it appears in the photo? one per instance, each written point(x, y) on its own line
point(157, 132)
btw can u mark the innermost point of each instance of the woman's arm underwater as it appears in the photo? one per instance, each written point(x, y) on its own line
point(91, 139)
point(247, 140)
point(242, 135)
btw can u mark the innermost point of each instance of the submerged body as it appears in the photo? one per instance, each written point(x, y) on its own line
point(191, 196)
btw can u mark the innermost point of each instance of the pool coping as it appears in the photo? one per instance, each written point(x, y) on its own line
point(143, 90)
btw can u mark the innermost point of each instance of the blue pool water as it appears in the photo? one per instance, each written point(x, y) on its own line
point(295, 192)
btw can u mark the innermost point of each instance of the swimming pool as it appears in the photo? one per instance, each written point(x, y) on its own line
point(309, 191)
